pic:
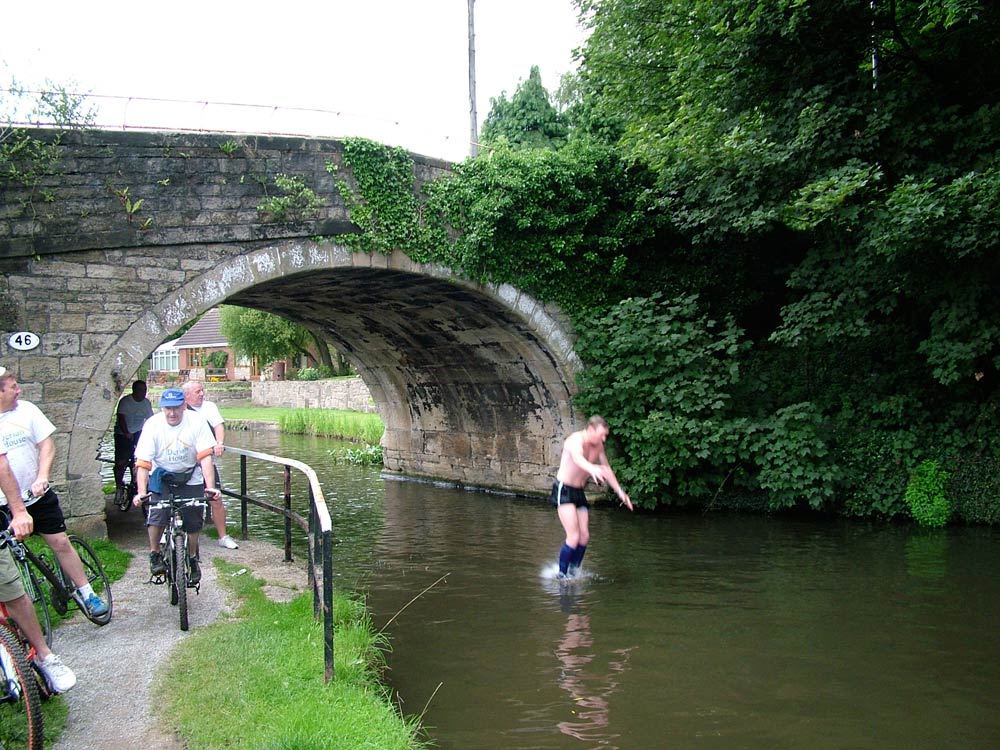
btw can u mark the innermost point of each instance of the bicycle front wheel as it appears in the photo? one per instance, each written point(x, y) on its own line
point(96, 577)
point(181, 566)
point(36, 590)
point(21, 718)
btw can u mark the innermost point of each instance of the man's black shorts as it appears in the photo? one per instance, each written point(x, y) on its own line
point(563, 493)
point(47, 514)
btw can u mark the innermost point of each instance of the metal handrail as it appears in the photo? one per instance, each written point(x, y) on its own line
point(318, 527)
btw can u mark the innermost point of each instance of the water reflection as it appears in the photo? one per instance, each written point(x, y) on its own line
point(588, 684)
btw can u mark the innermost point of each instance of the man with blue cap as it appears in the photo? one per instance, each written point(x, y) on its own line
point(177, 442)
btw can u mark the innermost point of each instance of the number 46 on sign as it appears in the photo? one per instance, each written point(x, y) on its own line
point(23, 341)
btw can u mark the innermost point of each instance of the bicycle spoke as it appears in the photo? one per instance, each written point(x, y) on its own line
point(96, 577)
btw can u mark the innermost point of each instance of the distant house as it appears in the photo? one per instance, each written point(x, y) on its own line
point(194, 356)
point(165, 361)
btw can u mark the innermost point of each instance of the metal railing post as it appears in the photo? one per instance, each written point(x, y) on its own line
point(288, 514)
point(328, 604)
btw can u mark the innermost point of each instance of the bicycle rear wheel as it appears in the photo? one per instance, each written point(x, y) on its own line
point(123, 501)
point(21, 718)
point(96, 577)
point(181, 559)
point(36, 589)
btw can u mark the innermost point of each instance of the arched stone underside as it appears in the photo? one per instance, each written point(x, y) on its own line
point(474, 382)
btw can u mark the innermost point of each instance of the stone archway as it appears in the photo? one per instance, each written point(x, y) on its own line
point(473, 382)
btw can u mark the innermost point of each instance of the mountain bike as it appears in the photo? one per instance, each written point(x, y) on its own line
point(48, 584)
point(21, 687)
point(175, 548)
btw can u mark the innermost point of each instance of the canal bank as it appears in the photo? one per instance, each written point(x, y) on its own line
point(118, 703)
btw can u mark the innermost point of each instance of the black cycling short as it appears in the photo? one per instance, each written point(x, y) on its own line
point(563, 493)
point(46, 515)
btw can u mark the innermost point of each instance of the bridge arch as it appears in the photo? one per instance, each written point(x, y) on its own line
point(141, 232)
point(473, 381)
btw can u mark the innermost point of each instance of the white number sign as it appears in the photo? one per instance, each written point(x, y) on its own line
point(23, 341)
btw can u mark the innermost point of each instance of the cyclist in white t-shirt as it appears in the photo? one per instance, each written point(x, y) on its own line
point(179, 442)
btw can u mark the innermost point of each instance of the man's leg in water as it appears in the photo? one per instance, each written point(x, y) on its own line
point(571, 524)
point(583, 524)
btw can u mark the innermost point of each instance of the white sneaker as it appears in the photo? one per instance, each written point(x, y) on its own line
point(228, 542)
point(58, 675)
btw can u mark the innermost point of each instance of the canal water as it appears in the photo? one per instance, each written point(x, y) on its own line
point(685, 631)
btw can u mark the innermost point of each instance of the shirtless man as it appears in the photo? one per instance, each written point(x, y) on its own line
point(582, 458)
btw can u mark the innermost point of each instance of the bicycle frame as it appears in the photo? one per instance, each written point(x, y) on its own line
point(175, 549)
point(61, 589)
point(125, 492)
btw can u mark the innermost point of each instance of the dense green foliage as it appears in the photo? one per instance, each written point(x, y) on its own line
point(925, 495)
point(527, 120)
point(554, 222)
point(777, 226)
point(667, 377)
point(267, 337)
point(835, 165)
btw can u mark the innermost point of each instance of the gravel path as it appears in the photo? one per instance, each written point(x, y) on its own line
point(115, 665)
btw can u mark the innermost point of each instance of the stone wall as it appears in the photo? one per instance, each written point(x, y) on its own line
point(341, 393)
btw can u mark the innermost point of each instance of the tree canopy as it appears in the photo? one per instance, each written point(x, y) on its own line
point(527, 120)
point(851, 150)
point(784, 216)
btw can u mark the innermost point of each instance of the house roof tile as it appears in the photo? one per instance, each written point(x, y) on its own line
point(204, 333)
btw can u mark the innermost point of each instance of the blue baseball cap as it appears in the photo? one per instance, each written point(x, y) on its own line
point(172, 397)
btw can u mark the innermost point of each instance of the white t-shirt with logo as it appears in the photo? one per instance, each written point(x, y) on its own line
point(21, 430)
point(175, 448)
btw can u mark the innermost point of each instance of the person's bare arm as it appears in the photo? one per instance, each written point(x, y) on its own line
point(220, 438)
point(46, 455)
point(20, 521)
point(574, 446)
point(208, 472)
point(612, 480)
point(141, 482)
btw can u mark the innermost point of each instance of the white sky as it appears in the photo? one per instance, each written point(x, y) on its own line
point(392, 70)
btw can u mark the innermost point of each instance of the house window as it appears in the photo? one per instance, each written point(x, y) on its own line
point(166, 361)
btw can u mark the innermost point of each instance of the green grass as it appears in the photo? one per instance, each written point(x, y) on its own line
point(251, 413)
point(341, 424)
point(271, 694)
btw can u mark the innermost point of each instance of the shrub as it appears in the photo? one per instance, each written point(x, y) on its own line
point(308, 373)
point(925, 495)
point(975, 489)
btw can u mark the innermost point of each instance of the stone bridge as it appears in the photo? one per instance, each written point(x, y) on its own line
point(472, 381)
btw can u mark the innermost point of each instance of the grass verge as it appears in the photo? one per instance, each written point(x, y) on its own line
point(256, 681)
point(341, 424)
